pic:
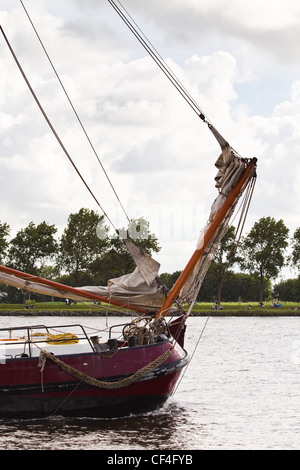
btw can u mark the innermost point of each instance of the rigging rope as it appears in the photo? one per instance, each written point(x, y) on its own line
point(191, 357)
point(52, 128)
point(148, 46)
point(243, 217)
point(155, 56)
point(146, 43)
point(166, 69)
point(74, 110)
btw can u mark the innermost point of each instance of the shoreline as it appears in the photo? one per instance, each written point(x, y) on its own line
point(101, 313)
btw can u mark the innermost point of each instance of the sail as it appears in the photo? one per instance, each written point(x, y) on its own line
point(230, 168)
point(140, 287)
point(137, 290)
point(30, 286)
point(147, 266)
point(128, 291)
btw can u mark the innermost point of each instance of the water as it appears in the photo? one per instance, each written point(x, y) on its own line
point(240, 391)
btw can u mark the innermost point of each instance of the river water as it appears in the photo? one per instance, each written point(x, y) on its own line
point(240, 391)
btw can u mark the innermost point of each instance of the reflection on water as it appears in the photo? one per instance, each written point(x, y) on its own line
point(162, 429)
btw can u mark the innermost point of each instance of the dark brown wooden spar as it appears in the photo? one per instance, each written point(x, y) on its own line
point(63, 289)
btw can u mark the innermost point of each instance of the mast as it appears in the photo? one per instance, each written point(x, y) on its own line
point(230, 196)
point(208, 236)
point(238, 187)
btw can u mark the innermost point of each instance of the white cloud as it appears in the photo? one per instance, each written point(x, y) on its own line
point(238, 61)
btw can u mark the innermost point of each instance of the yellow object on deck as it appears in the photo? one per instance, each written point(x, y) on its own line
point(66, 338)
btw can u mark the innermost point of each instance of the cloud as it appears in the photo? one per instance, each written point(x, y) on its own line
point(236, 59)
point(201, 23)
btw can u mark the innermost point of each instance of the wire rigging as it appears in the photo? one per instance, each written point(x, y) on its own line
point(192, 355)
point(155, 56)
point(53, 129)
point(244, 212)
point(163, 63)
point(74, 110)
point(148, 46)
point(152, 51)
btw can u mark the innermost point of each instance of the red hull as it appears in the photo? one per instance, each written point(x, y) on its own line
point(24, 392)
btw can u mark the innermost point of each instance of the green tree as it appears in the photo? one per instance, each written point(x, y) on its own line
point(33, 246)
point(295, 257)
point(4, 232)
point(81, 245)
point(236, 286)
point(244, 287)
point(262, 250)
point(225, 257)
point(168, 280)
point(209, 287)
point(288, 290)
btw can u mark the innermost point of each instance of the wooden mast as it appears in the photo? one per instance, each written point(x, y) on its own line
point(221, 214)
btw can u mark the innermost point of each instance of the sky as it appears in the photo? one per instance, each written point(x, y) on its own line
point(240, 62)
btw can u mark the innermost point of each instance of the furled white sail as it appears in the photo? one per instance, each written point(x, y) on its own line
point(230, 168)
point(139, 288)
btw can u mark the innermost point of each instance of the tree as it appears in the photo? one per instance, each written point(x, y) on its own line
point(209, 287)
point(295, 257)
point(33, 246)
point(288, 290)
point(168, 280)
point(244, 287)
point(4, 232)
point(80, 244)
point(262, 250)
point(224, 258)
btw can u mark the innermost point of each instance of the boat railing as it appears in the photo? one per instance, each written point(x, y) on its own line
point(25, 341)
point(37, 334)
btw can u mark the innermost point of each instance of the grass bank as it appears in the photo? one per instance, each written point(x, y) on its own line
point(200, 309)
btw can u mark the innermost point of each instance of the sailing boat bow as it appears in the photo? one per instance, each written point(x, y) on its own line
point(139, 363)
